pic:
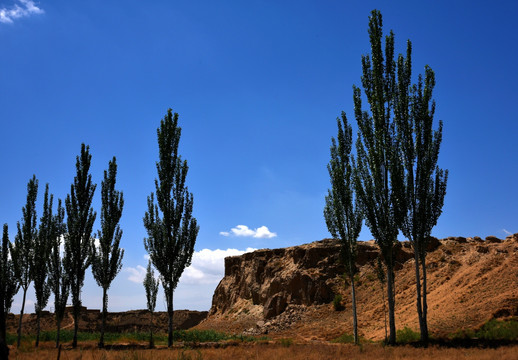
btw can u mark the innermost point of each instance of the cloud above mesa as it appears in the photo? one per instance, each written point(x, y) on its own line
point(207, 267)
point(242, 230)
point(22, 8)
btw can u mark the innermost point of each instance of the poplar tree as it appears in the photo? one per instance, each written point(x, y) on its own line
point(42, 247)
point(377, 157)
point(8, 288)
point(58, 276)
point(151, 285)
point(342, 212)
point(171, 228)
point(424, 187)
point(23, 251)
point(107, 258)
point(80, 220)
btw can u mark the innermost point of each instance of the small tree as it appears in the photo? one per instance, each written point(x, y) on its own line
point(107, 259)
point(342, 213)
point(58, 277)
point(8, 288)
point(424, 188)
point(23, 251)
point(151, 285)
point(172, 230)
point(40, 268)
point(377, 173)
point(80, 220)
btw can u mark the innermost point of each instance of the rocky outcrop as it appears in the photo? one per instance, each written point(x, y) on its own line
point(298, 275)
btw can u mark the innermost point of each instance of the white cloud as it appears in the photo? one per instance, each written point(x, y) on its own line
point(208, 266)
point(242, 230)
point(27, 8)
point(507, 232)
point(137, 274)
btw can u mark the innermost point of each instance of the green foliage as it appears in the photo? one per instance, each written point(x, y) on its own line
point(344, 339)
point(107, 259)
point(407, 335)
point(171, 228)
point(286, 342)
point(80, 221)
point(337, 303)
point(23, 252)
point(499, 330)
point(59, 280)
point(8, 283)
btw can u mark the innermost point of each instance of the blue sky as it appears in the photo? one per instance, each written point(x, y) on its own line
point(258, 86)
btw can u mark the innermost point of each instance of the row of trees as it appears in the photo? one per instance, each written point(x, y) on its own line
point(55, 255)
point(36, 256)
point(393, 183)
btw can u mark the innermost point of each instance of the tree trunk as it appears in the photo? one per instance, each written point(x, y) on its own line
point(418, 288)
point(424, 332)
point(4, 349)
point(391, 301)
point(58, 331)
point(103, 321)
point(38, 318)
point(353, 295)
point(20, 320)
point(151, 341)
point(77, 309)
point(170, 313)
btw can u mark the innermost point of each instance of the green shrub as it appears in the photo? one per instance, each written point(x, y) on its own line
point(337, 302)
point(286, 342)
point(407, 335)
point(499, 330)
point(344, 339)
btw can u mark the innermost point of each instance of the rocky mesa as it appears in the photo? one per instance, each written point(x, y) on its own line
point(290, 290)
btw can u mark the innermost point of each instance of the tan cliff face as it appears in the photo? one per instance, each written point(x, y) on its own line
point(470, 281)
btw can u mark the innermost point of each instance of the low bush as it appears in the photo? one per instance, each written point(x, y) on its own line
point(337, 302)
point(407, 335)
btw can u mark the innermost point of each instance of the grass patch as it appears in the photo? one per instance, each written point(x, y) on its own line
point(286, 342)
point(492, 330)
point(186, 336)
point(345, 338)
point(407, 335)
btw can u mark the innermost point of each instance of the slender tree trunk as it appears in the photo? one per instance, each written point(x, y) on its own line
point(424, 332)
point(20, 320)
point(353, 295)
point(170, 313)
point(58, 332)
point(418, 288)
point(103, 321)
point(151, 341)
point(4, 349)
point(391, 301)
point(77, 309)
point(38, 318)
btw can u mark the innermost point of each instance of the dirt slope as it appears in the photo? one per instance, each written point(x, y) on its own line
point(469, 280)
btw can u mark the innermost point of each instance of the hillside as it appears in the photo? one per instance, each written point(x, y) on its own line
point(288, 292)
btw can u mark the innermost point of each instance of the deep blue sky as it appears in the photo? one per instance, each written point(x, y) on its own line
point(258, 86)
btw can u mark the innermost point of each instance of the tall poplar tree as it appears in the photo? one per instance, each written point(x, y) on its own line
point(80, 220)
point(42, 247)
point(23, 251)
point(424, 187)
point(58, 276)
point(376, 170)
point(8, 288)
point(107, 258)
point(171, 228)
point(342, 212)
point(151, 285)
